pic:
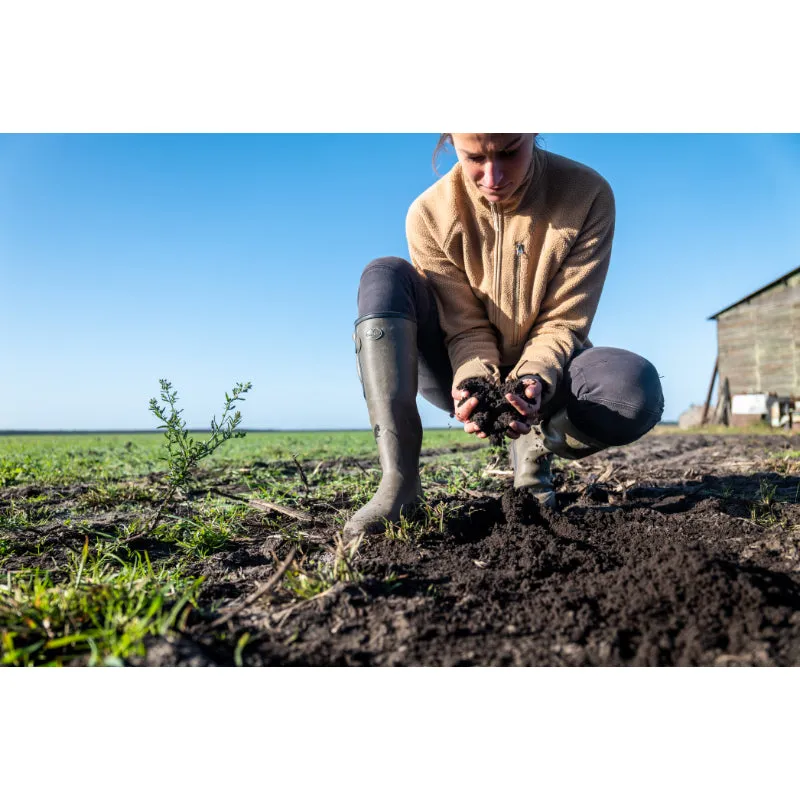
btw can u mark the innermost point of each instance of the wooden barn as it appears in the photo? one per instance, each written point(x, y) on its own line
point(758, 355)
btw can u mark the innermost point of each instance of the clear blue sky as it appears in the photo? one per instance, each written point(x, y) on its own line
point(209, 259)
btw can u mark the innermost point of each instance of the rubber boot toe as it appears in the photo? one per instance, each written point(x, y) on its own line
point(393, 497)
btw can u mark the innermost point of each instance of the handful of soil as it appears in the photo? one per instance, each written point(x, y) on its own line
point(494, 413)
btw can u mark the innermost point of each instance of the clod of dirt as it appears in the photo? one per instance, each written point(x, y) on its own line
point(494, 413)
point(520, 507)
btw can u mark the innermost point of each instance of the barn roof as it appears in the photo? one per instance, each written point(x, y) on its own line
point(758, 291)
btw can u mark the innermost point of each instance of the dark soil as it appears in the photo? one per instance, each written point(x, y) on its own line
point(494, 413)
point(662, 553)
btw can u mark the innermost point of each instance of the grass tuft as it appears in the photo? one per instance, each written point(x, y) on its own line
point(306, 582)
point(764, 509)
point(100, 613)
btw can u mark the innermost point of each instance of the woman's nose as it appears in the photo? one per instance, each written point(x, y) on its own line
point(492, 174)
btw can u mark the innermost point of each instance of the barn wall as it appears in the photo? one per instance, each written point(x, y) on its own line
point(759, 341)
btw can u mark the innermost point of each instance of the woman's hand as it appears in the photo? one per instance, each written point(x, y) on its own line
point(464, 411)
point(528, 406)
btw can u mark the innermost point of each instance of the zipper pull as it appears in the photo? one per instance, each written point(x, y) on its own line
point(520, 249)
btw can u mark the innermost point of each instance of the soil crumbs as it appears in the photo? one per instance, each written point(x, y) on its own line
point(494, 413)
point(678, 550)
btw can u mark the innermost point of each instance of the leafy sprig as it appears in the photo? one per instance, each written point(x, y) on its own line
point(183, 452)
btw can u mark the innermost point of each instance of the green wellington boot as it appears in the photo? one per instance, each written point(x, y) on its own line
point(560, 436)
point(530, 460)
point(386, 357)
point(532, 454)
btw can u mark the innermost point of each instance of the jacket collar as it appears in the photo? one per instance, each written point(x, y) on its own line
point(510, 205)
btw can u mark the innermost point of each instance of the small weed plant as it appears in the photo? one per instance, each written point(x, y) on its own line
point(764, 509)
point(184, 453)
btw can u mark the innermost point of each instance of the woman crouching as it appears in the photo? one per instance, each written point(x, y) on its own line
point(509, 254)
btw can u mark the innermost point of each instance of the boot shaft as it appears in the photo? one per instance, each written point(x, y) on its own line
point(386, 358)
point(531, 462)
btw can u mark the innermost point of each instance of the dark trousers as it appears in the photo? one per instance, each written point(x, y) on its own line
point(612, 395)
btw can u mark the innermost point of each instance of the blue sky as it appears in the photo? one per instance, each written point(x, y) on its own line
point(209, 259)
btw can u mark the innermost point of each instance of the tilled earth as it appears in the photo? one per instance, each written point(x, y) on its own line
point(676, 550)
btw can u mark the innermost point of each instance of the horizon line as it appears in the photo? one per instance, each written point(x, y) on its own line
point(63, 431)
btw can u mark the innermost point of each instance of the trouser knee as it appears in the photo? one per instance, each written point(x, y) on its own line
point(388, 287)
point(614, 396)
point(391, 287)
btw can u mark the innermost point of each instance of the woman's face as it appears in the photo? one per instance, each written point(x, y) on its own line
point(495, 162)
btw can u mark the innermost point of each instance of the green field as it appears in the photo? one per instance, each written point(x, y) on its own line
point(66, 458)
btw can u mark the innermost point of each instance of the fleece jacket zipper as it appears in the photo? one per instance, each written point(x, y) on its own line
point(519, 251)
point(497, 218)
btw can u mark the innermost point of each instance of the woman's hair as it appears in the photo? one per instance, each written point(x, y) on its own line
point(447, 139)
point(444, 140)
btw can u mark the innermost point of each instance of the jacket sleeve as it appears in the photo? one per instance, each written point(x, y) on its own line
point(470, 339)
point(573, 293)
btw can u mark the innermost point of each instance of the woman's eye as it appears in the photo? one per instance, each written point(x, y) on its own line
point(509, 153)
point(476, 159)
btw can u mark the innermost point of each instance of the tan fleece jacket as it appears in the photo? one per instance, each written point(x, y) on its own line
point(517, 283)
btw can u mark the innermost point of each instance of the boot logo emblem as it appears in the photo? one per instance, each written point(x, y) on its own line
point(373, 333)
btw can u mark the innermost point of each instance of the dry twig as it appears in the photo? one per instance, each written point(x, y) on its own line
point(260, 592)
point(265, 505)
point(302, 473)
